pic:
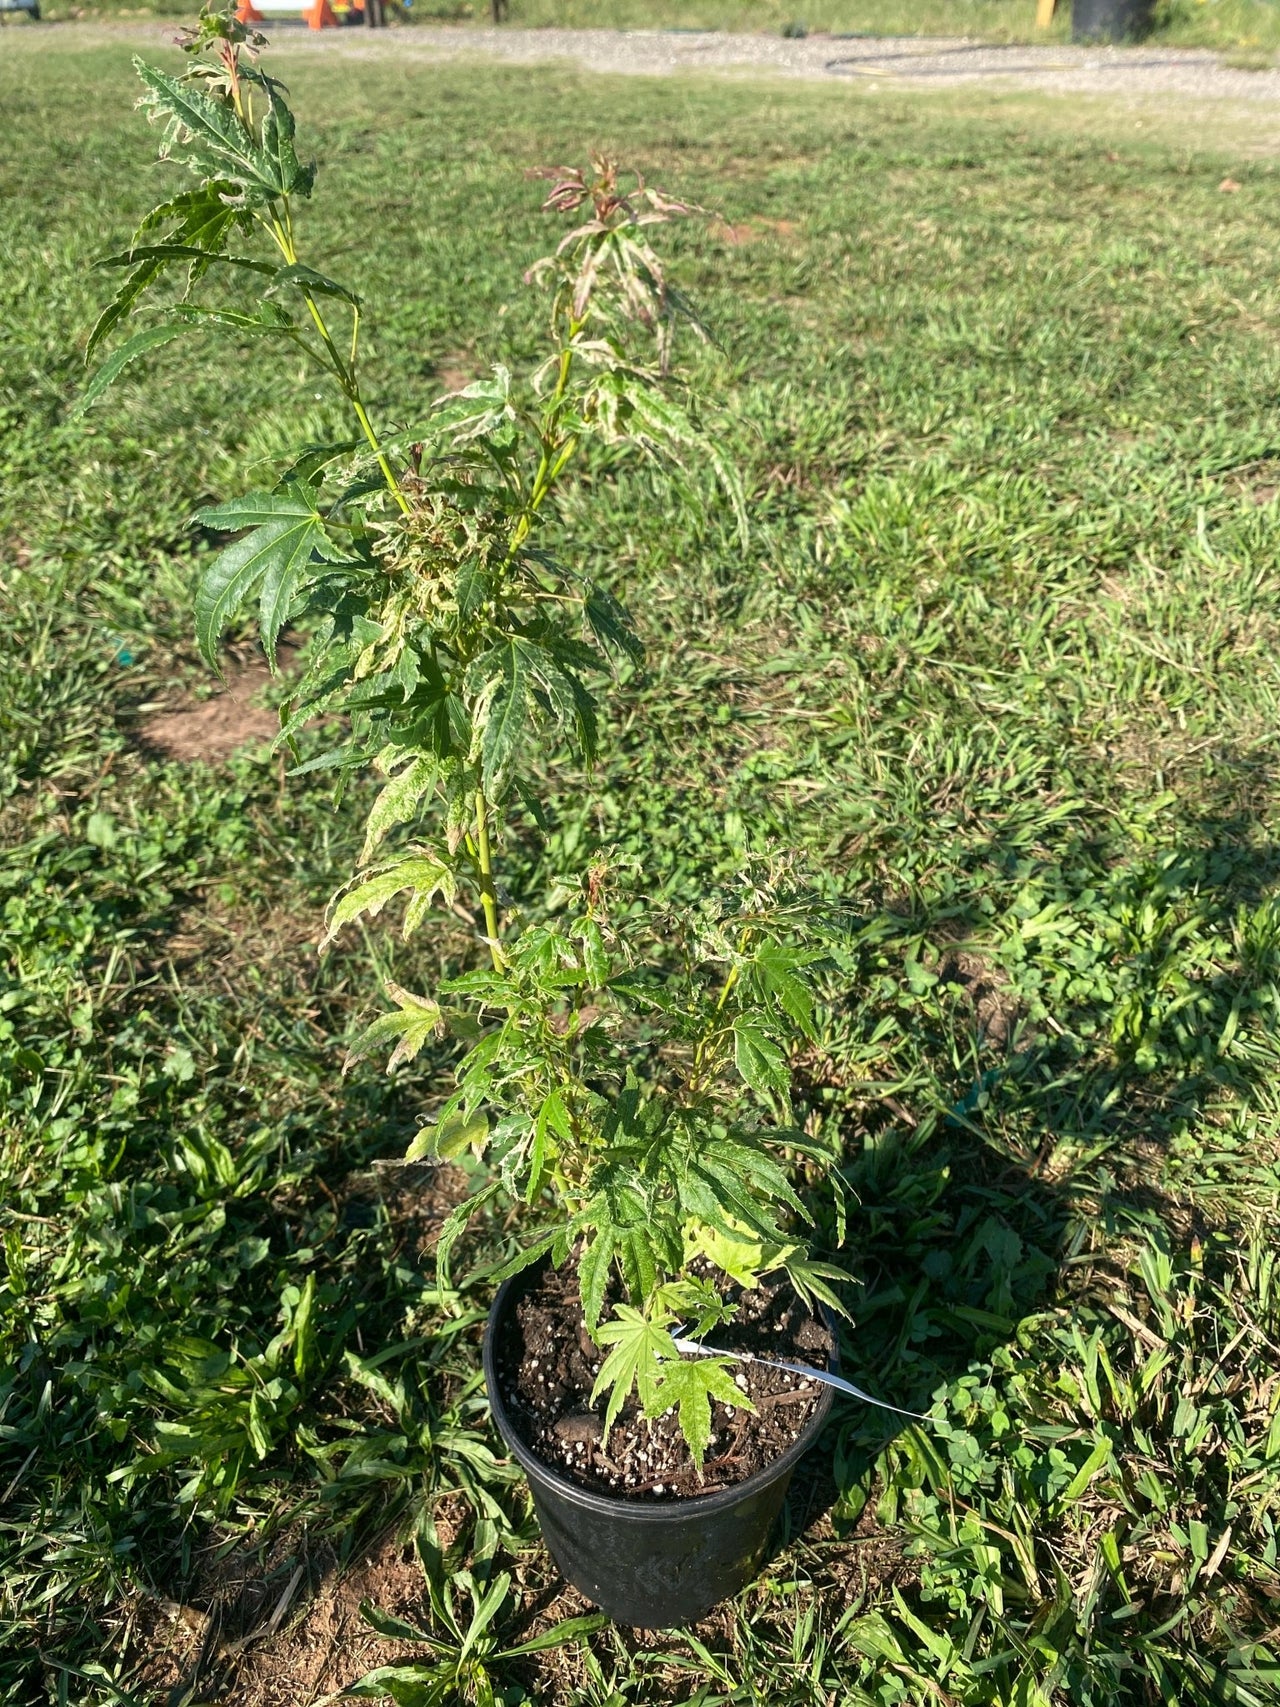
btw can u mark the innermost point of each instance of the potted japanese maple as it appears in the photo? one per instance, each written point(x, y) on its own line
point(622, 1074)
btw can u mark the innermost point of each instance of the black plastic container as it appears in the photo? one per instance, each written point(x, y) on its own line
point(1111, 20)
point(647, 1563)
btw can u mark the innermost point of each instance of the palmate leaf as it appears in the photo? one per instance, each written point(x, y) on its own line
point(204, 220)
point(287, 535)
point(455, 1224)
point(478, 410)
point(177, 251)
point(267, 321)
point(781, 971)
point(140, 280)
point(658, 422)
point(449, 1137)
point(421, 873)
point(747, 1158)
point(203, 213)
point(610, 622)
point(742, 1254)
point(637, 1250)
point(307, 280)
point(560, 692)
point(217, 142)
point(759, 1060)
point(596, 958)
point(507, 721)
point(593, 1272)
point(516, 1264)
point(692, 1383)
point(810, 1277)
point(415, 1020)
point(524, 680)
point(398, 802)
point(293, 177)
point(472, 585)
point(149, 261)
point(640, 1348)
point(552, 1124)
point(717, 1192)
point(566, 695)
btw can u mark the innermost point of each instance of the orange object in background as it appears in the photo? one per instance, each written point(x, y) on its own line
point(319, 14)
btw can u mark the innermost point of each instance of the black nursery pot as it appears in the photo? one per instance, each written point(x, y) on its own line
point(651, 1564)
point(1111, 20)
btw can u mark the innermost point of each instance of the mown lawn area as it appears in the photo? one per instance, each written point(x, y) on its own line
point(1002, 659)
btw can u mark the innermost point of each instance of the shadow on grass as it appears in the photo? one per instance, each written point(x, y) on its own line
point(968, 1217)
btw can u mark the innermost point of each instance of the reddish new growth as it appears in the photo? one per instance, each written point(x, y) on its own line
point(611, 238)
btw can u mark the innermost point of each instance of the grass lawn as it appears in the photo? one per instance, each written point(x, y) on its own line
point(1003, 656)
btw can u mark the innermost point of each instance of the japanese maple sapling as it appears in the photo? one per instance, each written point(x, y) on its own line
point(461, 655)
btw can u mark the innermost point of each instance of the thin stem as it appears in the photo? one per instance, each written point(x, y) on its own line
point(488, 893)
point(555, 454)
point(393, 485)
point(282, 231)
point(714, 1031)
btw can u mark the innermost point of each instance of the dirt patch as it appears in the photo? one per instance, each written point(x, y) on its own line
point(547, 1365)
point(418, 1198)
point(281, 1633)
point(211, 730)
point(995, 1008)
point(1257, 482)
point(455, 372)
point(752, 230)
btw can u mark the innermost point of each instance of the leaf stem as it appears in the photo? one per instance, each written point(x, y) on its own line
point(714, 1030)
point(345, 371)
point(488, 891)
point(555, 453)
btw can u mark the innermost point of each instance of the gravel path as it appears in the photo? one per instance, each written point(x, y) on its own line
point(1170, 74)
point(1172, 78)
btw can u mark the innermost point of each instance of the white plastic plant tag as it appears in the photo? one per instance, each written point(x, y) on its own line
point(805, 1369)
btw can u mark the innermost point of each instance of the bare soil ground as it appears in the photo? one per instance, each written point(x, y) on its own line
point(212, 729)
point(286, 1636)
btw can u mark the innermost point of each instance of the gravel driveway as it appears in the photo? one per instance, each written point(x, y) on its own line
point(937, 62)
point(1171, 78)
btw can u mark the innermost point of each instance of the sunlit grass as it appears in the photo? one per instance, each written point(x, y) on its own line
point(1003, 650)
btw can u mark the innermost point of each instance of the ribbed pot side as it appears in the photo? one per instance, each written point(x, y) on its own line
point(650, 1564)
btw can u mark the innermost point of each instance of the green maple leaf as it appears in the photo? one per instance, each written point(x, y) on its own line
point(693, 1383)
point(640, 1348)
point(287, 533)
point(209, 137)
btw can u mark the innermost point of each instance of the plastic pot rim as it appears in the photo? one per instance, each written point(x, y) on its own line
point(660, 1511)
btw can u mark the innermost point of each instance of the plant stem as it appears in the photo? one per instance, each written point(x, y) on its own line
point(554, 454)
point(488, 893)
point(345, 371)
point(714, 1031)
point(393, 485)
